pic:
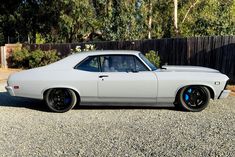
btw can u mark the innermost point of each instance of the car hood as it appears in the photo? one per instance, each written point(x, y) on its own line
point(188, 69)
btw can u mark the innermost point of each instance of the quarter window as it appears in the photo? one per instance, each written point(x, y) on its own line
point(89, 64)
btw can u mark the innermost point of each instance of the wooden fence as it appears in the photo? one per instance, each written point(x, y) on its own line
point(216, 52)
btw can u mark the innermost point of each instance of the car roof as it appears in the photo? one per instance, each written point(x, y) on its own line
point(72, 60)
point(107, 52)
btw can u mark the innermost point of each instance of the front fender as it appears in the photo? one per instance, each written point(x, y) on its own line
point(210, 87)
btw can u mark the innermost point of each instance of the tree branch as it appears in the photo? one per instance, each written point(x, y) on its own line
point(190, 8)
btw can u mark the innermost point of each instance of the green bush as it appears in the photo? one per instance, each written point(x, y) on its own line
point(20, 58)
point(41, 58)
point(25, 59)
point(50, 57)
point(153, 57)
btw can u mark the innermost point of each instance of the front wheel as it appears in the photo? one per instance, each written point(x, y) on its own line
point(60, 99)
point(194, 98)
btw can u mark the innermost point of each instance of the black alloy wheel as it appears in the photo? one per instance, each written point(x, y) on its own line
point(194, 98)
point(60, 99)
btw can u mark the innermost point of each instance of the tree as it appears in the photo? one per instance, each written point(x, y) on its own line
point(89, 20)
point(8, 11)
point(36, 16)
point(77, 20)
point(120, 19)
point(206, 17)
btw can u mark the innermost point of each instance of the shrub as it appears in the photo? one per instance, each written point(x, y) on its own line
point(41, 58)
point(20, 58)
point(50, 57)
point(35, 58)
point(25, 59)
point(153, 57)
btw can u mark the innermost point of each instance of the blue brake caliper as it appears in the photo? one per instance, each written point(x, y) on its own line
point(186, 95)
point(66, 100)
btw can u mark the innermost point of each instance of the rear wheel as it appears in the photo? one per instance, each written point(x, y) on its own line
point(194, 98)
point(60, 99)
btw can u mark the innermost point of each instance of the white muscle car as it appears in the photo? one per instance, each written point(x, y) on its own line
point(118, 77)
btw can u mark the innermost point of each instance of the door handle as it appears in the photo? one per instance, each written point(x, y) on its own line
point(101, 76)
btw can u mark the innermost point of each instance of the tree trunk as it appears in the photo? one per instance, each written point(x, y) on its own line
point(150, 7)
point(176, 18)
point(33, 36)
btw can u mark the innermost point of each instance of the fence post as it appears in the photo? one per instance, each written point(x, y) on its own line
point(3, 57)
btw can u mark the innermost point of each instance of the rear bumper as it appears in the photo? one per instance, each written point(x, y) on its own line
point(10, 90)
point(224, 94)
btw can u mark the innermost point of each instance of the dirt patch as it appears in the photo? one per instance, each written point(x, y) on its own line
point(9, 70)
point(232, 88)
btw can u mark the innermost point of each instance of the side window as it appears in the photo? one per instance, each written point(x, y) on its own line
point(117, 63)
point(140, 66)
point(89, 64)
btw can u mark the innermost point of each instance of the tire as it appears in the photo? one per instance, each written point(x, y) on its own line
point(194, 98)
point(60, 99)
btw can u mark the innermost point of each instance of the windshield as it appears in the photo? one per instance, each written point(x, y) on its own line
point(147, 62)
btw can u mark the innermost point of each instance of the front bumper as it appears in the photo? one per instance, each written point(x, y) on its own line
point(10, 90)
point(224, 94)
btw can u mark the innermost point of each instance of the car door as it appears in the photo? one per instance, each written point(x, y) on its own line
point(87, 74)
point(124, 78)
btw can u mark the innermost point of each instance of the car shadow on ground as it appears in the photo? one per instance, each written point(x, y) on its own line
point(8, 101)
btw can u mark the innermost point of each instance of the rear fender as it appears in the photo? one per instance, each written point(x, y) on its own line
point(68, 87)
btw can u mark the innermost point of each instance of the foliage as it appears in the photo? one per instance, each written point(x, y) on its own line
point(153, 57)
point(122, 20)
point(41, 58)
point(36, 58)
point(20, 58)
point(40, 39)
point(207, 17)
point(77, 19)
point(25, 59)
point(89, 20)
point(1, 37)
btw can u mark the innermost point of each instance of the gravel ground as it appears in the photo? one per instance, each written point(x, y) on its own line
point(27, 129)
